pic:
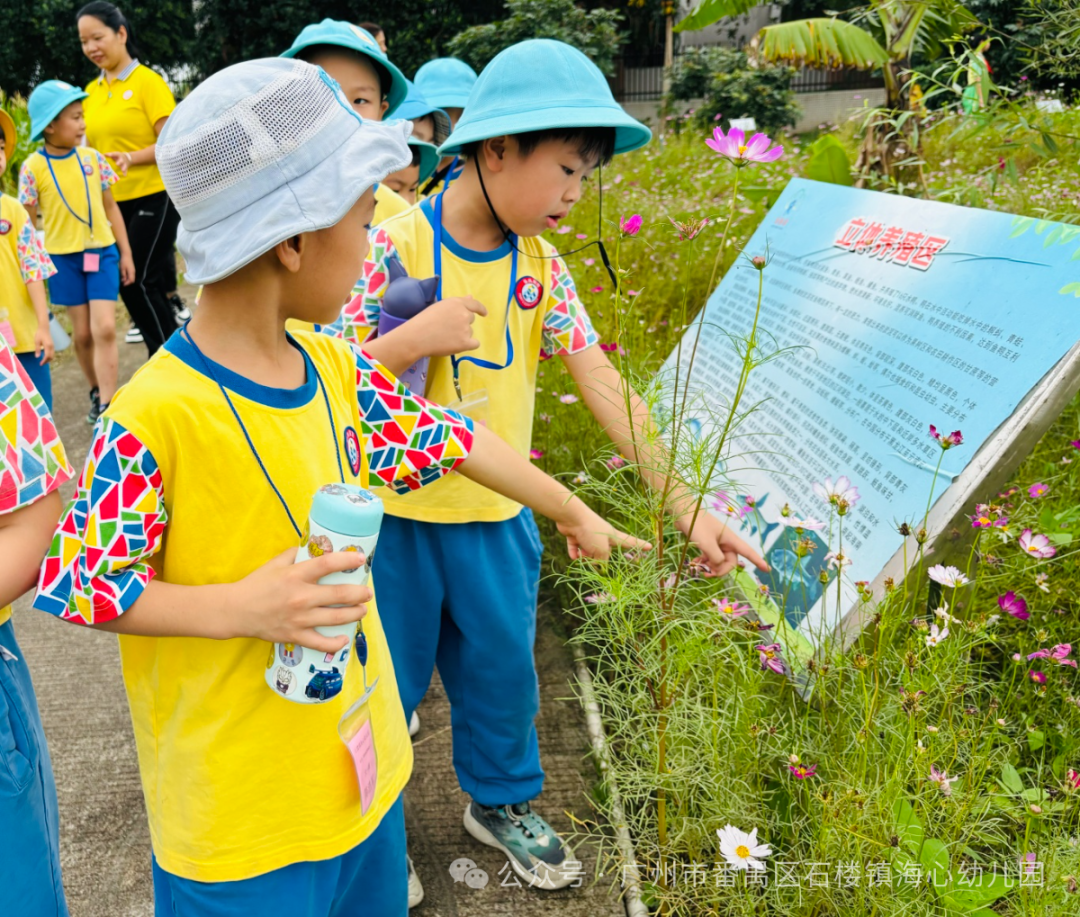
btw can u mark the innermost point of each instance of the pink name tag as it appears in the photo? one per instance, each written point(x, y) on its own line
point(7, 332)
point(362, 748)
point(91, 262)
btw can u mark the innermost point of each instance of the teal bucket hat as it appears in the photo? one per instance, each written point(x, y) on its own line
point(347, 35)
point(542, 84)
point(47, 101)
point(429, 157)
point(417, 106)
point(446, 82)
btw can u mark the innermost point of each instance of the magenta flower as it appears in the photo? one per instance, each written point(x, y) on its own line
point(981, 521)
point(596, 289)
point(630, 225)
point(729, 608)
point(1038, 677)
point(568, 398)
point(1074, 778)
point(769, 657)
point(1075, 443)
point(946, 441)
point(741, 152)
point(1038, 490)
point(615, 462)
point(1058, 653)
point(1014, 605)
point(612, 348)
point(801, 771)
point(1036, 545)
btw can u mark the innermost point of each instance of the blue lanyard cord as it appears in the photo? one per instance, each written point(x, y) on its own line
point(247, 436)
point(89, 221)
point(455, 360)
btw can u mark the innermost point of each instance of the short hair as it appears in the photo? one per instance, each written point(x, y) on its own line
point(592, 142)
point(371, 27)
point(312, 51)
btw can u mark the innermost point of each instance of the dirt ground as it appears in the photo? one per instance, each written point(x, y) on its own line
point(105, 846)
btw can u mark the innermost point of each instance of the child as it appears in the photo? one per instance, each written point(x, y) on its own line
point(372, 84)
point(446, 83)
point(84, 231)
point(189, 509)
point(530, 143)
point(430, 123)
point(32, 467)
point(406, 182)
point(24, 267)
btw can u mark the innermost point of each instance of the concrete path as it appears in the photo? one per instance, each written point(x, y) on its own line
point(104, 841)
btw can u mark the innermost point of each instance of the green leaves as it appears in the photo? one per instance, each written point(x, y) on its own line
point(1010, 779)
point(908, 827)
point(829, 161)
point(822, 43)
point(709, 11)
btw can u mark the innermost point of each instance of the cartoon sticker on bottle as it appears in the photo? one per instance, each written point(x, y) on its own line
point(362, 558)
point(291, 654)
point(284, 680)
point(528, 292)
point(352, 449)
point(324, 683)
point(318, 545)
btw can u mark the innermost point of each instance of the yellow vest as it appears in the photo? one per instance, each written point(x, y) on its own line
point(79, 173)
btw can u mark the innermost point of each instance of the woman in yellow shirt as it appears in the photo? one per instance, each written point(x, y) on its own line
point(126, 108)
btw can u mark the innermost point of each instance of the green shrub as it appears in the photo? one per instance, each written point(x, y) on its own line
point(16, 107)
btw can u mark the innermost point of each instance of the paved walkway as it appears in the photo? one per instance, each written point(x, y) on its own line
point(105, 845)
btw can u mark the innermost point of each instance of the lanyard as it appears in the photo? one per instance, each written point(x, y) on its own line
point(86, 185)
point(266, 474)
point(455, 360)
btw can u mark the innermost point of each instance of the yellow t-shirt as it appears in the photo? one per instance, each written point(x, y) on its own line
point(238, 780)
point(120, 117)
point(388, 203)
point(22, 261)
point(544, 313)
point(83, 174)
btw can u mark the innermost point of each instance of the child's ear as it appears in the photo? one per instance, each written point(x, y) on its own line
point(494, 152)
point(290, 252)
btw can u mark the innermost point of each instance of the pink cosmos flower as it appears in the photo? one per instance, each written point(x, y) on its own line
point(630, 225)
point(947, 441)
point(1029, 862)
point(563, 230)
point(596, 289)
point(1074, 778)
point(1058, 653)
point(1036, 545)
point(612, 348)
point(944, 782)
point(598, 598)
point(568, 398)
point(769, 657)
point(1038, 677)
point(729, 608)
point(801, 771)
point(581, 235)
point(1013, 604)
point(1038, 490)
point(1075, 443)
point(740, 151)
point(615, 462)
point(589, 262)
point(536, 454)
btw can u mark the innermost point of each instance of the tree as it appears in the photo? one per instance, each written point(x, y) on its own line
point(594, 32)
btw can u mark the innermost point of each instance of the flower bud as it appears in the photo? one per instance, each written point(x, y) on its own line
point(758, 261)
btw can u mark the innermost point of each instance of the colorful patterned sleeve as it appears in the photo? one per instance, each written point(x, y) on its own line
point(359, 320)
point(28, 190)
point(108, 173)
point(32, 459)
point(34, 261)
point(567, 328)
point(409, 441)
point(96, 566)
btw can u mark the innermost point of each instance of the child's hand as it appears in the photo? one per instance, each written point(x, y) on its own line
point(282, 601)
point(127, 270)
point(445, 327)
point(589, 535)
point(122, 161)
point(43, 345)
point(720, 546)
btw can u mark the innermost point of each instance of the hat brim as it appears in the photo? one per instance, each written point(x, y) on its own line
point(629, 133)
point(11, 135)
point(398, 87)
point(315, 200)
point(448, 98)
point(429, 158)
point(50, 113)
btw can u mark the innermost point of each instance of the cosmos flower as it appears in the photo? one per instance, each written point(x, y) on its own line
point(946, 440)
point(1038, 490)
point(729, 608)
point(536, 454)
point(769, 657)
point(630, 225)
point(741, 152)
point(742, 850)
point(1037, 546)
point(801, 771)
point(1038, 677)
point(1058, 653)
point(809, 524)
point(1013, 604)
point(944, 782)
point(936, 636)
point(568, 398)
point(841, 490)
point(947, 576)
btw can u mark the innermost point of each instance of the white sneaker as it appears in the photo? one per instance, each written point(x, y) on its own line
point(133, 336)
point(416, 890)
point(414, 724)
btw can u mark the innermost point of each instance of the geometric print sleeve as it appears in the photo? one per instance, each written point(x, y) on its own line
point(108, 174)
point(96, 566)
point(409, 441)
point(567, 328)
point(32, 460)
point(28, 191)
point(34, 261)
point(360, 318)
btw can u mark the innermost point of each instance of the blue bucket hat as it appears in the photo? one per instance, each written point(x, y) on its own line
point(417, 106)
point(429, 157)
point(541, 84)
point(347, 35)
point(251, 141)
point(446, 82)
point(47, 101)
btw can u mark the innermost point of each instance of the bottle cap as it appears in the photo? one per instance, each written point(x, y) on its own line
point(347, 509)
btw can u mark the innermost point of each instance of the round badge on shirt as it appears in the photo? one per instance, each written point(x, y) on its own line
point(5, 227)
point(528, 292)
point(352, 449)
point(128, 94)
point(88, 170)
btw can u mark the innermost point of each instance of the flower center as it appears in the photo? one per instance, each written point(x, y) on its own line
point(769, 654)
point(727, 609)
point(742, 851)
point(742, 150)
point(983, 520)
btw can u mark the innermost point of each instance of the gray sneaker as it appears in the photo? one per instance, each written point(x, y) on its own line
point(534, 850)
point(416, 890)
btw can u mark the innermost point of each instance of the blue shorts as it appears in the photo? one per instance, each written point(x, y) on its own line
point(30, 849)
point(40, 375)
point(371, 880)
point(72, 286)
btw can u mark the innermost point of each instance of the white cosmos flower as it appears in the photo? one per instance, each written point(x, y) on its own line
point(740, 849)
point(841, 490)
point(936, 636)
point(809, 524)
point(947, 576)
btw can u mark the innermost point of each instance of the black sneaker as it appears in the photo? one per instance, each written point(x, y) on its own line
point(180, 309)
point(95, 406)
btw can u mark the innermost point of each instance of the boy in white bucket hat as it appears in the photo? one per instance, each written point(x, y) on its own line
point(189, 509)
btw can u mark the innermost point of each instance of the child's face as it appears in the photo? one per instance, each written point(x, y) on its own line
point(68, 128)
point(536, 192)
point(333, 259)
point(404, 182)
point(359, 80)
point(424, 128)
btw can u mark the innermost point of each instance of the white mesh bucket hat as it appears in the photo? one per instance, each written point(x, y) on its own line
point(262, 151)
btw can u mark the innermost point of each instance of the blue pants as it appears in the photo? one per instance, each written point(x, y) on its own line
point(29, 836)
point(462, 596)
point(371, 880)
point(40, 375)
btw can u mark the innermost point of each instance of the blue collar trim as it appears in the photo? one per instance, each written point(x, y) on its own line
point(266, 395)
point(427, 207)
point(123, 74)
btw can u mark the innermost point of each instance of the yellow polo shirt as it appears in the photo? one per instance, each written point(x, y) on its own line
point(120, 118)
point(63, 191)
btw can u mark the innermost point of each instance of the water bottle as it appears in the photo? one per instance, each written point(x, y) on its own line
point(343, 517)
point(405, 298)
